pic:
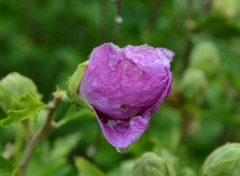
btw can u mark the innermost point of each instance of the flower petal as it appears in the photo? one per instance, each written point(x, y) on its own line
point(122, 133)
point(163, 96)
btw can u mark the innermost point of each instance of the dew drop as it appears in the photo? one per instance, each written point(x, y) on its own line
point(122, 150)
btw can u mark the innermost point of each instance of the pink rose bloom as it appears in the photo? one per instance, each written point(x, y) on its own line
point(125, 86)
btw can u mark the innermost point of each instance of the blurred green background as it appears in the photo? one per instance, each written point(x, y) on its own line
point(46, 40)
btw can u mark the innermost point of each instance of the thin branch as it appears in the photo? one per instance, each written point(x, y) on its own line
point(118, 20)
point(48, 126)
point(206, 5)
point(153, 15)
point(103, 15)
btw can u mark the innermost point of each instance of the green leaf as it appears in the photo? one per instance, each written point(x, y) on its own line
point(28, 107)
point(5, 166)
point(85, 168)
point(12, 87)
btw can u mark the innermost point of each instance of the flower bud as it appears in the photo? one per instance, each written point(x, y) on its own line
point(154, 165)
point(125, 86)
point(205, 57)
point(223, 8)
point(193, 83)
point(12, 87)
point(225, 160)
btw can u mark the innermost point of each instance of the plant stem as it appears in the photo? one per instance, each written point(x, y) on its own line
point(103, 15)
point(186, 41)
point(48, 126)
point(153, 15)
point(206, 5)
point(118, 20)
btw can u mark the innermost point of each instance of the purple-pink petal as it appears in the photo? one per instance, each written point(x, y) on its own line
point(122, 133)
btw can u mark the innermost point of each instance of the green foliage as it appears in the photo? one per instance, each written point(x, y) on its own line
point(6, 167)
point(47, 40)
point(19, 99)
point(51, 158)
point(28, 107)
point(85, 168)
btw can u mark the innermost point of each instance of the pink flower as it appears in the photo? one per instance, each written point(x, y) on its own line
point(125, 86)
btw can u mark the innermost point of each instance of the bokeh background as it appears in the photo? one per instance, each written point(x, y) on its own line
point(45, 40)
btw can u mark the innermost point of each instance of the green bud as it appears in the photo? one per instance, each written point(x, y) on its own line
point(74, 82)
point(193, 83)
point(205, 56)
point(224, 161)
point(13, 87)
point(225, 8)
point(151, 164)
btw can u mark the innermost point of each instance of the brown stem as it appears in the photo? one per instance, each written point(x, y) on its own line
point(103, 15)
point(153, 15)
point(48, 126)
point(118, 20)
point(206, 5)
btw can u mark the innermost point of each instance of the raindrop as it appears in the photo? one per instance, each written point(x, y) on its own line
point(122, 150)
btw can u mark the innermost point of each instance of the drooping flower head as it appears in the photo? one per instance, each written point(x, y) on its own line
point(125, 86)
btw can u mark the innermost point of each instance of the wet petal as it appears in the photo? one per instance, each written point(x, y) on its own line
point(164, 95)
point(122, 133)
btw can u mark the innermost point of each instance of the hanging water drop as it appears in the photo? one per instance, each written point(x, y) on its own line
point(122, 150)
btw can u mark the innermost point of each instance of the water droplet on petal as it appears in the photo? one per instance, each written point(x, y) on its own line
point(122, 150)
